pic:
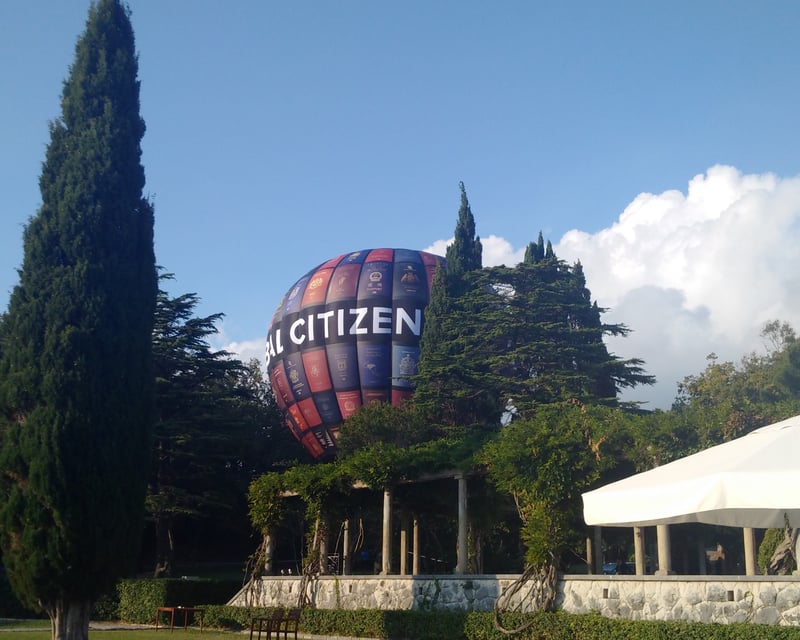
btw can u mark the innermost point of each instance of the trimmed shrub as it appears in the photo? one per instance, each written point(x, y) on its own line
point(138, 599)
point(446, 624)
point(479, 625)
point(107, 607)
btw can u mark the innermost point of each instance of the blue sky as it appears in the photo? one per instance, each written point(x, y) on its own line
point(657, 142)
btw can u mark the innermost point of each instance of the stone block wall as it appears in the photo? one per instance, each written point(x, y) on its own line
point(380, 592)
point(721, 599)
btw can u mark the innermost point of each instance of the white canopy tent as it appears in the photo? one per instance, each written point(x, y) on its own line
point(750, 482)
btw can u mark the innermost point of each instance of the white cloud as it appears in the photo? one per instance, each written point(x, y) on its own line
point(439, 248)
point(696, 273)
point(496, 251)
point(691, 273)
point(248, 349)
point(244, 351)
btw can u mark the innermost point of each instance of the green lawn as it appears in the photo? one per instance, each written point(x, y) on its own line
point(40, 630)
point(124, 634)
point(23, 624)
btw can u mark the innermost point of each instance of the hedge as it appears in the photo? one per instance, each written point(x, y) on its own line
point(138, 599)
point(479, 625)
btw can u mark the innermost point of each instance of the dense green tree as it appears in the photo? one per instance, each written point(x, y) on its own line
point(465, 254)
point(503, 340)
point(449, 386)
point(218, 426)
point(455, 386)
point(518, 338)
point(544, 336)
point(76, 379)
point(545, 462)
point(381, 422)
point(729, 399)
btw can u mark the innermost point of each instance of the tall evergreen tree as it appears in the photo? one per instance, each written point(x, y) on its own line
point(449, 384)
point(76, 377)
point(466, 252)
point(514, 338)
point(544, 336)
point(217, 427)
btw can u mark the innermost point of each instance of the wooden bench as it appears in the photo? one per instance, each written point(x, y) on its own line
point(279, 621)
point(195, 611)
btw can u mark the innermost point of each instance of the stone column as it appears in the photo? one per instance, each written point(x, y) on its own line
point(589, 556)
point(461, 557)
point(346, 548)
point(269, 552)
point(404, 545)
point(415, 545)
point(749, 552)
point(664, 562)
point(386, 547)
point(638, 550)
point(323, 547)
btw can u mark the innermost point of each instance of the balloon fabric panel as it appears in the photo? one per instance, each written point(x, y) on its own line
point(347, 334)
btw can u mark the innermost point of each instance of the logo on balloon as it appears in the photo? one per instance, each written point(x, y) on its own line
point(345, 334)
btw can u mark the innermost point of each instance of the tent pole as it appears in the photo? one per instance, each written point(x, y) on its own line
point(415, 546)
point(638, 550)
point(386, 546)
point(598, 550)
point(749, 551)
point(404, 544)
point(664, 562)
point(461, 548)
point(589, 556)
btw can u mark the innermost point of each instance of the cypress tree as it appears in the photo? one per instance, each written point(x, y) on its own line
point(450, 386)
point(466, 252)
point(76, 377)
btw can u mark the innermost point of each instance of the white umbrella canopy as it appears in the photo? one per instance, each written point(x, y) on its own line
point(753, 481)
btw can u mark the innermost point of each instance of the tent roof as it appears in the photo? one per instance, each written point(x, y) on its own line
point(753, 481)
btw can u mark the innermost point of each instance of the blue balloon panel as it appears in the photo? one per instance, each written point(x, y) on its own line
point(345, 334)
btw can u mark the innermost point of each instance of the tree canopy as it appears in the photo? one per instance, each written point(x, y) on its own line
point(217, 426)
point(513, 338)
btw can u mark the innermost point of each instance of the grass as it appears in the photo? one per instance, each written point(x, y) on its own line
point(40, 630)
point(125, 634)
point(6, 623)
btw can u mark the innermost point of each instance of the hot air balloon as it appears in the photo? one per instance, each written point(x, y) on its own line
point(345, 334)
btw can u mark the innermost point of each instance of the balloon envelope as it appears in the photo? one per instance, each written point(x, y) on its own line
point(347, 333)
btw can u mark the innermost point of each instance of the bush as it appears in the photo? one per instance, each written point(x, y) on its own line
point(221, 616)
point(107, 607)
point(138, 599)
point(479, 625)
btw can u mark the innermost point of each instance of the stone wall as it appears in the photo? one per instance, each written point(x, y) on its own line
point(722, 599)
point(380, 592)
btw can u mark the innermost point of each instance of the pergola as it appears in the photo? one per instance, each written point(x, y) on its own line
point(409, 531)
point(750, 482)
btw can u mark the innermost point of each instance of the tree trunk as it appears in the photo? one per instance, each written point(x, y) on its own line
point(476, 545)
point(165, 548)
point(69, 620)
